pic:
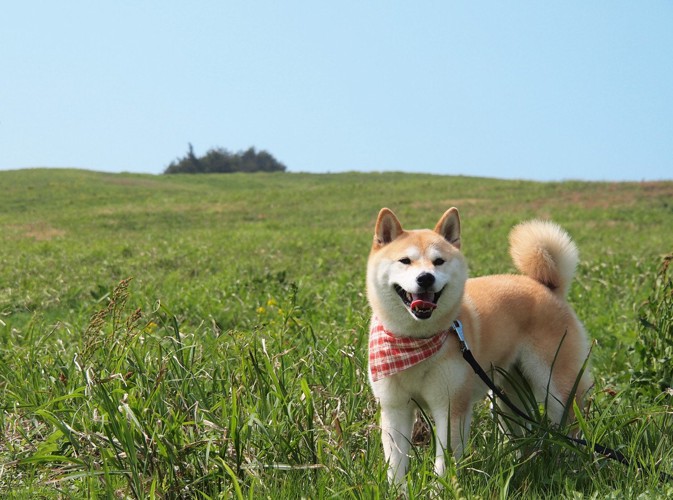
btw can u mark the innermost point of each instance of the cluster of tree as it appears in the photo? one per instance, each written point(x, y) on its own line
point(220, 160)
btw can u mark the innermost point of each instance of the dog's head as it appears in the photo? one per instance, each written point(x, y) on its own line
point(415, 279)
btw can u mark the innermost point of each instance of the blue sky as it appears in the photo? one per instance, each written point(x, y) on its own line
point(529, 90)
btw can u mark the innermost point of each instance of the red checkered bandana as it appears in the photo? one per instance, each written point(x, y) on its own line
point(389, 354)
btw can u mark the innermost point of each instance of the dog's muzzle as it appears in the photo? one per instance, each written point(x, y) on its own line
point(421, 305)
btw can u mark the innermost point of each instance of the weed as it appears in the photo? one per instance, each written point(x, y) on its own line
point(652, 371)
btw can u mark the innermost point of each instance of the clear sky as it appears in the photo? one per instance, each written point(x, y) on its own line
point(512, 89)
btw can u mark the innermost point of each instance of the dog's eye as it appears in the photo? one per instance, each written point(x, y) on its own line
point(438, 262)
point(405, 260)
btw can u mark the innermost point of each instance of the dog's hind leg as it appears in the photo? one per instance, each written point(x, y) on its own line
point(554, 384)
point(519, 392)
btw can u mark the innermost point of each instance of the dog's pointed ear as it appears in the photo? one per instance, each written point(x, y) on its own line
point(388, 228)
point(448, 227)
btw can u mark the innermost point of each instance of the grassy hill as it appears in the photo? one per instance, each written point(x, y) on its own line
point(234, 360)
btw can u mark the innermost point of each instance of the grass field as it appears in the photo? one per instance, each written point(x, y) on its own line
point(205, 336)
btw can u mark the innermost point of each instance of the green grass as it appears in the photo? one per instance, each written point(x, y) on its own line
point(233, 363)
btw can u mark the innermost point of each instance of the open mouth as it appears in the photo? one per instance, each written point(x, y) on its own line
point(421, 305)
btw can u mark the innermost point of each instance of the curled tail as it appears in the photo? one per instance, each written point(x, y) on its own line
point(543, 251)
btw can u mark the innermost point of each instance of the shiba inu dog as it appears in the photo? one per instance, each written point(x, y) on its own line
point(417, 287)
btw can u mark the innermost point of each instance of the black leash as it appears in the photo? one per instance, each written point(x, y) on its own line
point(610, 453)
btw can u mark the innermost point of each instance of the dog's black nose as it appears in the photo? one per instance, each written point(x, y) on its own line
point(425, 280)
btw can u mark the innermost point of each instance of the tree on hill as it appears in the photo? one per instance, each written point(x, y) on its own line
point(219, 160)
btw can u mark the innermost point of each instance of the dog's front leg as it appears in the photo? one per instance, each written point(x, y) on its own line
point(441, 418)
point(396, 427)
point(450, 426)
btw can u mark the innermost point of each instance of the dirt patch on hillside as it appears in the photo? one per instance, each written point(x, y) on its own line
point(454, 202)
point(39, 231)
point(604, 196)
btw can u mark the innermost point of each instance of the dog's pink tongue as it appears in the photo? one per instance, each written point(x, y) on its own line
point(423, 301)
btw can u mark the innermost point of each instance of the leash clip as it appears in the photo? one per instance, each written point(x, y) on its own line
point(457, 327)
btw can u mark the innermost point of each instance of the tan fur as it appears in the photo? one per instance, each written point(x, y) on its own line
point(508, 320)
point(544, 252)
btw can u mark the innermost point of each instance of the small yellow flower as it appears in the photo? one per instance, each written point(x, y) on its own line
point(271, 302)
point(261, 310)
